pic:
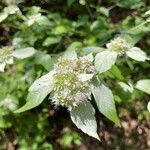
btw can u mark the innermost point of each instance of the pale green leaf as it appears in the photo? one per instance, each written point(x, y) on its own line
point(89, 57)
point(44, 59)
point(38, 92)
point(2, 66)
point(92, 49)
point(85, 77)
point(3, 16)
point(33, 99)
point(24, 52)
point(137, 54)
point(105, 60)
point(143, 85)
point(148, 12)
point(148, 106)
point(45, 81)
point(105, 101)
point(74, 45)
point(70, 54)
point(126, 87)
point(83, 116)
point(51, 40)
point(103, 10)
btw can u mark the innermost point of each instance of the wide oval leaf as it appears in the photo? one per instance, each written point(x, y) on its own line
point(143, 85)
point(105, 60)
point(38, 91)
point(83, 117)
point(70, 54)
point(105, 101)
point(137, 54)
point(24, 52)
point(148, 106)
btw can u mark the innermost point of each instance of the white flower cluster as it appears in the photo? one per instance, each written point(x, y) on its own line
point(72, 81)
point(119, 45)
point(6, 57)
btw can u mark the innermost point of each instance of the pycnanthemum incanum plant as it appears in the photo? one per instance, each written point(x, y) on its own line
point(74, 79)
point(71, 83)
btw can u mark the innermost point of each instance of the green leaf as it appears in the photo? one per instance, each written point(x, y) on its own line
point(44, 59)
point(74, 45)
point(85, 77)
point(70, 2)
point(148, 106)
point(70, 54)
point(143, 85)
point(24, 52)
point(126, 87)
point(83, 116)
point(51, 40)
point(137, 54)
point(105, 101)
point(93, 49)
point(89, 57)
point(147, 13)
point(105, 60)
point(116, 72)
point(3, 16)
point(38, 91)
point(103, 10)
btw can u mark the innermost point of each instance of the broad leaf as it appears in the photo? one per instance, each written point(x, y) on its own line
point(89, 57)
point(33, 99)
point(70, 54)
point(83, 117)
point(105, 101)
point(148, 106)
point(126, 87)
point(143, 85)
point(85, 77)
point(38, 91)
point(115, 72)
point(44, 59)
point(24, 52)
point(148, 12)
point(2, 66)
point(51, 40)
point(137, 54)
point(3, 16)
point(45, 81)
point(105, 60)
point(93, 49)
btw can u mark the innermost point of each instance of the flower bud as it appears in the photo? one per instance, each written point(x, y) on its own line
point(119, 45)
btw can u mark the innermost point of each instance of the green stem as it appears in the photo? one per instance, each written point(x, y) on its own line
point(138, 26)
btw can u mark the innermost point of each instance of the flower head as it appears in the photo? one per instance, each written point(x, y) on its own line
point(72, 81)
point(6, 57)
point(119, 45)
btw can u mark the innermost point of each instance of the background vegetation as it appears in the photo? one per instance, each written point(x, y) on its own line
point(51, 27)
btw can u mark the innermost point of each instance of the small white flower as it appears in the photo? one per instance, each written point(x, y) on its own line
point(72, 81)
point(119, 45)
point(5, 57)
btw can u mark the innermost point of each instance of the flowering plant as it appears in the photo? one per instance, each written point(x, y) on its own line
point(7, 55)
point(74, 79)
